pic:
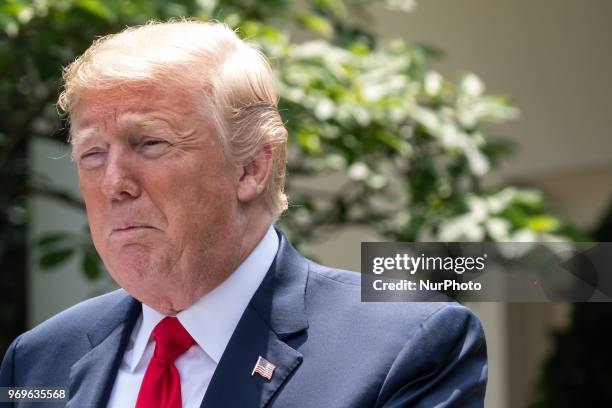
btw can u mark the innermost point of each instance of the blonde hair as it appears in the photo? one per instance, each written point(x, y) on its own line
point(231, 80)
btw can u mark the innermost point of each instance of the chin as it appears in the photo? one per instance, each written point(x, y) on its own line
point(166, 301)
point(136, 262)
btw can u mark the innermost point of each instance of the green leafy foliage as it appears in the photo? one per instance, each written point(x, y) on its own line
point(56, 257)
point(91, 264)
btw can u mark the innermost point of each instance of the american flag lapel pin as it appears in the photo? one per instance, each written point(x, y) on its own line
point(264, 368)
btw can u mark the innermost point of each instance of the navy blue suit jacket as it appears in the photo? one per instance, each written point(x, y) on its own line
point(330, 349)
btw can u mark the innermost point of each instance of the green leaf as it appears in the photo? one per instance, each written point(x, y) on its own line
point(543, 223)
point(316, 23)
point(52, 259)
point(310, 141)
point(11, 8)
point(50, 239)
point(91, 265)
point(497, 149)
point(336, 7)
point(98, 9)
point(402, 147)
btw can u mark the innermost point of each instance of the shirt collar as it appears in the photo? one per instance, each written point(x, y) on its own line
point(211, 321)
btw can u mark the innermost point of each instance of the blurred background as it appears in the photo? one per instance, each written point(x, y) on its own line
point(408, 120)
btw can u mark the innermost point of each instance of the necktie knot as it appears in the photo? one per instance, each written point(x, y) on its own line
point(171, 339)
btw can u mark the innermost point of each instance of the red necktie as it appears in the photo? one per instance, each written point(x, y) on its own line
point(161, 385)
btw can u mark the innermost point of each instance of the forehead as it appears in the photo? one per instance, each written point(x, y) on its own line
point(130, 107)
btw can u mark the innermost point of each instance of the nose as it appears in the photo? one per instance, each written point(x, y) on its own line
point(119, 182)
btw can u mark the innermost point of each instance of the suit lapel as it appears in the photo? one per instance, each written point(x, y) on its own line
point(232, 384)
point(92, 377)
point(276, 312)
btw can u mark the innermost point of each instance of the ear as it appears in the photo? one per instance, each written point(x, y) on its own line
point(255, 174)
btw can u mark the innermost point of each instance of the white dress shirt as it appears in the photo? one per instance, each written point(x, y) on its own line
point(210, 321)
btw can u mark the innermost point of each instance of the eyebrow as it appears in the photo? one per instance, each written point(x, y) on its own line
point(80, 135)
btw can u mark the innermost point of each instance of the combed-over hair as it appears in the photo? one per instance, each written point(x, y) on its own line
point(231, 80)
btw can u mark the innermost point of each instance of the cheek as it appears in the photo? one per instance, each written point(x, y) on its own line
point(98, 218)
point(89, 185)
point(94, 204)
point(96, 228)
point(204, 209)
point(208, 201)
point(206, 186)
point(86, 187)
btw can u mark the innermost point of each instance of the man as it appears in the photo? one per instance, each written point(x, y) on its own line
point(180, 151)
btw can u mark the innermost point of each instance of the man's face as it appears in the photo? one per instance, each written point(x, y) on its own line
point(160, 195)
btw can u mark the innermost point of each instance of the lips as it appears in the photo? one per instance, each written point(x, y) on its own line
point(130, 227)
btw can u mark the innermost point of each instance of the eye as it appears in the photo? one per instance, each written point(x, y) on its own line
point(153, 147)
point(152, 142)
point(92, 159)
